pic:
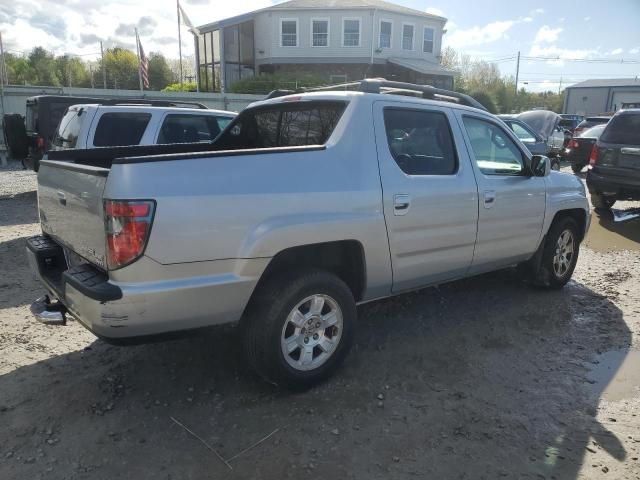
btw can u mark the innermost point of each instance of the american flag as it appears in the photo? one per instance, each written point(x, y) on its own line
point(144, 65)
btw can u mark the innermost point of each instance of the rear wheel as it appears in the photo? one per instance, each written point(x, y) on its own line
point(553, 266)
point(555, 164)
point(602, 202)
point(299, 328)
point(576, 168)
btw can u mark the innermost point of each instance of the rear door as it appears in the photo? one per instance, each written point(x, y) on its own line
point(430, 197)
point(512, 204)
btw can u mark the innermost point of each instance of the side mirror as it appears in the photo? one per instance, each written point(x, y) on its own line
point(540, 166)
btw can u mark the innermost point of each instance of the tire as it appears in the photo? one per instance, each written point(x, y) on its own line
point(268, 328)
point(575, 168)
point(601, 202)
point(546, 269)
point(555, 164)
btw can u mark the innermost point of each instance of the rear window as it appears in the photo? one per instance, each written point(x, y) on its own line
point(69, 129)
point(593, 132)
point(120, 129)
point(185, 128)
point(283, 125)
point(623, 129)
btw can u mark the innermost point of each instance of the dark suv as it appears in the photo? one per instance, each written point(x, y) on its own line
point(614, 164)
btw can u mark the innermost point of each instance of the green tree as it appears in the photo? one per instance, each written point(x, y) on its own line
point(160, 75)
point(42, 68)
point(122, 69)
point(485, 99)
point(18, 70)
point(72, 72)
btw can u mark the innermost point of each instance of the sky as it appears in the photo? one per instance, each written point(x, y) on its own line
point(569, 34)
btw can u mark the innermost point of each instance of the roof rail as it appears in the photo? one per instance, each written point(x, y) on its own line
point(152, 103)
point(381, 85)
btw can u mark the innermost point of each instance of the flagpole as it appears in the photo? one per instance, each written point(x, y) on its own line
point(179, 39)
point(139, 64)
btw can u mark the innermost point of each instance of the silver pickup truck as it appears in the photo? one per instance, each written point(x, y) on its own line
point(305, 206)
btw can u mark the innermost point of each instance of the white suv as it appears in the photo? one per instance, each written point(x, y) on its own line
point(91, 126)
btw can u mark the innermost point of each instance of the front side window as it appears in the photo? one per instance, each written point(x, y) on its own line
point(385, 35)
point(495, 153)
point(351, 33)
point(120, 129)
point(407, 37)
point(420, 141)
point(183, 128)
point(289, 125)
point(289, 33)
point(320, 33)
point(68, 130)
point(427, 42)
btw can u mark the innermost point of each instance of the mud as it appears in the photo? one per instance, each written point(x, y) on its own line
point(484, 378)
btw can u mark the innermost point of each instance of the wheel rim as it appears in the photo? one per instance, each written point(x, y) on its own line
point(555, 167)
point(564, 253)
point(312, 332)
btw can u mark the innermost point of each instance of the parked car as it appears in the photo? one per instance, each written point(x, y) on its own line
point(614, 164)
point(547, 124)
point(532, 140)
point(579, 148)
point(590, 122)
point(31, 136)
point(289, 219)
point(570, 121)
point(91, 126)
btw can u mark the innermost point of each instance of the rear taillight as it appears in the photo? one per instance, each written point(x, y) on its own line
point(128, 224)
point(40, 143)
point(593, 158)
point(573, 143)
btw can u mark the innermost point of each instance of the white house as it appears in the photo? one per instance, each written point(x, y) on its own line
point(338, 40)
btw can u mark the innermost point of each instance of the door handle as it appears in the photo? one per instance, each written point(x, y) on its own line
point(489, 198)
point(401, 204)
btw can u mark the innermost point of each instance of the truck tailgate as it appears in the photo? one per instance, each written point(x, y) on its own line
point(71, 209)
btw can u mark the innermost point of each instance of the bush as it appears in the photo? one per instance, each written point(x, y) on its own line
point(265, 83)
point(181, 87)
point(486, 100)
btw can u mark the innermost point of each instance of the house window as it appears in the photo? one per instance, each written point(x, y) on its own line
point(427, 42)
point(288, 32)
point(407, 37)
point(351, 32)
point(320, 32)
point(385, 35)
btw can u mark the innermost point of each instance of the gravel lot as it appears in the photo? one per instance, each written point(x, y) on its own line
point(481, 379)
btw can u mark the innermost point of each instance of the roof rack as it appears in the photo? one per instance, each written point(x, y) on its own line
point(153, 103)
point(381, 85)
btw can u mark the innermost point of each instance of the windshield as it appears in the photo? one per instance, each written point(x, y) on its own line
point(593, 132)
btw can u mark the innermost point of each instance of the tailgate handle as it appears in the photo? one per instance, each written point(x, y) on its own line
point(62, 198)
point(630, 151)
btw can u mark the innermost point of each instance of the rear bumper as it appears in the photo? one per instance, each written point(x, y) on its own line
point(622, 188)
point(118, 311)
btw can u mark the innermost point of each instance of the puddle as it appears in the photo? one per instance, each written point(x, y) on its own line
point(617, 376)
point(606, 235)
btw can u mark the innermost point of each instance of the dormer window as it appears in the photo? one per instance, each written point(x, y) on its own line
point(289, 32)
point(351, 32)
point(427, 42)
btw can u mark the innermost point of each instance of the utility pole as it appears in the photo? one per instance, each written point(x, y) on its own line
point(560, 86)
point(517, 72)
point(104, 67)
point(4, 74)
point(179, 39)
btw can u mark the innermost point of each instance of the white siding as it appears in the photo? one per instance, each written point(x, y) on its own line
point(267, 35)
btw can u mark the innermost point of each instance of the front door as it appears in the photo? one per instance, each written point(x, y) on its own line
point(430, 195)
point(512, 203)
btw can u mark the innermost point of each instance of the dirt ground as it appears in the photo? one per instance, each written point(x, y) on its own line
point(479, 379)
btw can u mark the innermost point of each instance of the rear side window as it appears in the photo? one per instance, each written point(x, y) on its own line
point(183, 128)
point(623, 129)
point(285, 125)
point(69, 129)
point(420, 141)
point(120, 129)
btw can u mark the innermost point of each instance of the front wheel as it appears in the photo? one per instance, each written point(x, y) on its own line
point(553, 266)
point(299, 328)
